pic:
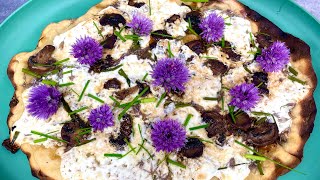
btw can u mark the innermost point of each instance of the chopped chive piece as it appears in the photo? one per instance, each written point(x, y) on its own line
point(83, 90)
point(48, 136)
point(66, 84)
point(293, 71)
point(189, 27)
point(85, 132)
point(259, 121)
point(294, 79)
point(254, 157)
point(207, 141)
point(86, 142)
point(146, 150)
point(221, 168)
point(133, 37)
point(169, 50)
point(195, 0)
point(208, 57)
point(95, 98)
point(276, 162)
point(123, 74)
point(259, 85)
point(176, 163)
point(113, 155)
point(263, 114)
point(49, 82)
point(182, 105)
point(128, 153)
point(40, 140)
point(75, 92)
point(259, 167)
point(67, 72)
point(61, 61)
point(129, 144)
point(27, 71)
point(15, 136)
point(163, 95)
point(55, 71)
point(140, 147)
point(78, 110)
point(118, 34)
point(199, 127)
point(252, 40)
point(247, 69)
point(186, 122)
point(163, 35)
point(114, 100)
point(149, 7)
point(126, 104)
point(223, 42)
point(223, 87)
point(148, 100)
point(231, 112)
point(132, 102)
point(211, 99)
point(144, 77)
point(99, 30)
point(228, 24)
point(140, 131)
point(113, 68)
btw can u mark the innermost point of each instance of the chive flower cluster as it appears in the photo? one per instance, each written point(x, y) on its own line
point(244, 96)
point(212, 28)
point(140, 25)
point(101, 117)
point(87, 50)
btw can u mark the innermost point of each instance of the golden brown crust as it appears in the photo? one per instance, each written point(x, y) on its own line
point(288, 152)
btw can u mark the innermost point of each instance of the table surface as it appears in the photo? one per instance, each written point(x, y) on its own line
point(9, 6)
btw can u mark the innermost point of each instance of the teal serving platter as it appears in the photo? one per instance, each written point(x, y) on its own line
point(21, 31)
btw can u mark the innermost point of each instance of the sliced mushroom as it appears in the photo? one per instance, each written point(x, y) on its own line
point(12, 147)
point(122, 94)
point(173, 18)
point(109, 42)
point(42, 62)
point(112, 19)
point(155, 37)
point(142, 86)
point(216, 67)
point(113, 83)
point(261, 79)
point(193, 148)
point(125, 131)
point(263, 134)
point(103, 64)
point(197, 46)
point(242, 121)
point(230, 52)
point(216, 122)
point(195, 19)
point(264, 40)
point(136, 4)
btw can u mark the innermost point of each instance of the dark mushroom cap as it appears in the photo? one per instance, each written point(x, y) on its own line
point(193, 148)
point(42, 62)
point(263, 134)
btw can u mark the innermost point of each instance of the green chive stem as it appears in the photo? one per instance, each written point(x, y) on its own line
point(83, 90)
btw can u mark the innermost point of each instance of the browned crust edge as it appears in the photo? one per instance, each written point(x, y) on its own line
point(301, 55)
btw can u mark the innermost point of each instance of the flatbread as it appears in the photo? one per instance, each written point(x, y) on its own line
point(45, 163)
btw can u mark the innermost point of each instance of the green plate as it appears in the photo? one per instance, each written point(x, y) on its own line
point(21, 31)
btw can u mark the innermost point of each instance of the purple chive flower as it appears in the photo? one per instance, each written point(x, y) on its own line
point(244, 96)
point(140, 25)
point(43, 101)
point(212, 27)
point(168, 135)
point(87, 50)
point(274, 58)
point(101, 117)
point(170, 73)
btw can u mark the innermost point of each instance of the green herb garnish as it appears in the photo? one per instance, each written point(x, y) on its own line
point(49, 82)
point(247, 69)
point(123, 74)
point(170, 54)
point(148, 100)
point(113, 68)
point(186, 122)
point(129, 144)
point(27, 71)
point(48, 136)
point(61, 61)
point(259, 167)
point(113, 155)
point(209, 57)
point(176, 163)
point(210, 98)
point(118, 34)
point(149, 7)
point(294, 79)
point(66, 84)
point(182, 105)
point(86, 142)
point(74, 92)
point(144, 77)
point(223, 42)
point(78, 110)
point(146, 150)
point(189, 27)
point(267, 158)
point(67, 72)
point(95, 98)
point(254, 157)
point(15, 136)
point(99, 30)
point(293, 71)
point(199, 127)
point(163, 95)
point(263, 114)
point(163, 35)
point(135, 38)
point(83, 90)
point(231, 112)
point(114, 100)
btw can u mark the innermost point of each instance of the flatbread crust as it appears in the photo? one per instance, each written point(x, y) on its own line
point(45, 164)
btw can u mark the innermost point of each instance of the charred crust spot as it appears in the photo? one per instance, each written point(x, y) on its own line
point(136, 4)
point(112, 19)
point(308, 113)
point(197, 46)
point(13, 148)
point(261, 79)
point(103, 64)
point(173, 18)
point(109, 42)
point(263, 134)
point(230, 52)
point(14, 101)
point(264, 40)
point(44, 58)
point(195, 19)
point(216, 67)
point(122, 94)
point(193, 148)
point(113, 83)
